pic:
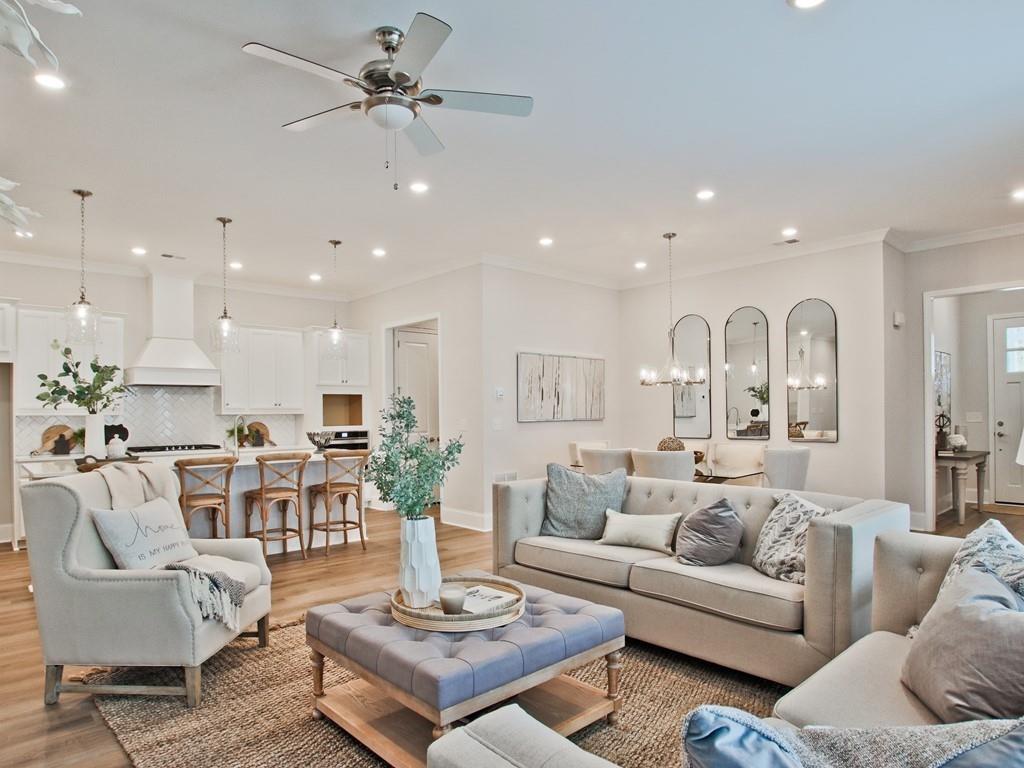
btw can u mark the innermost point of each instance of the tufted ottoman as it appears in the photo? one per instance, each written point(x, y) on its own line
point(414, 685)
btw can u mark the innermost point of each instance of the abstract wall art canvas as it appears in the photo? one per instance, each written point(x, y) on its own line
point(943, 383)
point(559, 388)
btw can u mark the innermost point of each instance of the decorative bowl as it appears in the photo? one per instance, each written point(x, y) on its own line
point(320, 439)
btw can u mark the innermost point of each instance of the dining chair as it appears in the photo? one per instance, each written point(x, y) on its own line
point(786, 468)
point(667, 465)
point(598, 461)
point(576, 446)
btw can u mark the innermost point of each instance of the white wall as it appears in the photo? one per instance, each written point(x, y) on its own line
point(455, 300)
point(850, 279)
point(946, 333)
point(526, 312)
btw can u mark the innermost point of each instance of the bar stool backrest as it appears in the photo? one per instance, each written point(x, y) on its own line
point(282, 469)
point(205, 474)
point(345, 468)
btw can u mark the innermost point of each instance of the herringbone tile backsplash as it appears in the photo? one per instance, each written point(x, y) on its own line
point(161, 416)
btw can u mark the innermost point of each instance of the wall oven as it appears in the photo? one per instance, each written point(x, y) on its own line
point(350, 440)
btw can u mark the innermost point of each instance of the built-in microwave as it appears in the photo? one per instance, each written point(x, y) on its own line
point(350, 440)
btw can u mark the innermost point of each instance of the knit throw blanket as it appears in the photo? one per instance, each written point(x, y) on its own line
point(218, 595)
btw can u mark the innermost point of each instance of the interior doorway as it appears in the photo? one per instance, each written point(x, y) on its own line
point(414, 373)
point(1006, 333)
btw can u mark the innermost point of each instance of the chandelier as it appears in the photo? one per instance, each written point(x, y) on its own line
point(802, 381)
point(671, 372)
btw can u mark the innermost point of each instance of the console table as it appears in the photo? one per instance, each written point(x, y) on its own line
point(960, 463)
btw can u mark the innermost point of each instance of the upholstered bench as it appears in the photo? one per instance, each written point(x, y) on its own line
point(412, 681)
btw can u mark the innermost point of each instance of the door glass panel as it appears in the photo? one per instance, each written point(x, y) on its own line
point(1015, 361)
point(1015, 337)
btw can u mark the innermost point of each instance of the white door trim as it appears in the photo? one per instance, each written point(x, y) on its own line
point(990, 477)
point(925, 519)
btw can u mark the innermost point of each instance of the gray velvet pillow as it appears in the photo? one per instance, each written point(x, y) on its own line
point(710, 535)
point(576, 503)
point(149, 536)
point(965, 661)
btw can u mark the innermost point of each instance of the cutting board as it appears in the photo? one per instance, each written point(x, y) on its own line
point(50, 435)
point(263, 429)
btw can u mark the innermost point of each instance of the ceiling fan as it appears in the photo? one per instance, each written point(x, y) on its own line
point(393, 87)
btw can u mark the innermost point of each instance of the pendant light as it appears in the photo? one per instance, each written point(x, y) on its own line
point(335, 336)
point(82, 319)
point(224, 331)
point(671, 373)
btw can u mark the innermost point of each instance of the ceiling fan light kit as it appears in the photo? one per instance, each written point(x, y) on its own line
point(393, 87)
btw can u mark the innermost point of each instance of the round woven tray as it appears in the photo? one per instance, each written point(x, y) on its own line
point(433, 619)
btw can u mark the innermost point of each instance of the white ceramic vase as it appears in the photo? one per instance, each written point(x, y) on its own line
point(419, 574)
point(95, 442)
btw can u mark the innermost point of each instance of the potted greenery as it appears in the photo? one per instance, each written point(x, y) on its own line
point(405, 472)
point(760, 393)
point(95, 394)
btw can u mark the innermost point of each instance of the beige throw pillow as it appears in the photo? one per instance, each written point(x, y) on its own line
point(148, 536)
point(643, 531)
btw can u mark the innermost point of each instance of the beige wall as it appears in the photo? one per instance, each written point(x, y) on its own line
point(455, 300)
point(6, 449)
point(525, 312)
point(850, 279)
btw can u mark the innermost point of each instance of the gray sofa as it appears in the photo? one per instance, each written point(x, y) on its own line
point(730, 614)
point(860, 688)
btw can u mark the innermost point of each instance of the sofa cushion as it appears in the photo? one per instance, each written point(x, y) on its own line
point(644, 531)
point(868, 675)
point(151, 535)
point(587, 560)
point(964, 662)
point(734, 590)
point(576, 503)
point(246, 573)
point(709, 535)
point(781, 550)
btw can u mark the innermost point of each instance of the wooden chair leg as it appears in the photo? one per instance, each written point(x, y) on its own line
point(362, 523)
point(193, 686)
point(282, 507)
point(263, 631)
point(227, 513)
point(265, 518)
point(214, 514)
point(51, 687)
point(298, 525)
point(344, 516)
point(312, 519)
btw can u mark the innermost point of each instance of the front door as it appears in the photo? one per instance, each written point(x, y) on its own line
point(416, 377)
point(1008, 406)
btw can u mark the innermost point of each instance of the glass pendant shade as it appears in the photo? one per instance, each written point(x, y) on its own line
point(671, 373)
point(82, 320)
point(224, 334)
point(82, 323)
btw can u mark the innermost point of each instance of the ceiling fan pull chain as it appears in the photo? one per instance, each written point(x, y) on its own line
point(387, 150)
point(396, 159)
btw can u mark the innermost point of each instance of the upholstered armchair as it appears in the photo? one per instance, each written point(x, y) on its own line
point(92, 613)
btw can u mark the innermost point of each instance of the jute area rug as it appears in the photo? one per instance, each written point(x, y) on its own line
point(256, 709)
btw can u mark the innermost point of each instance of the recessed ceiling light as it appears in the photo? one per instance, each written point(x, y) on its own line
point(804, 5)
point(379, 253)
point(640, 265)
point(803, 331)
point(138, 250)
point(419, 187)
point(235, 265)
point(789, 232)
point(50, 80)
point(547, 242)
point(23, 233)
point(1018, 194)
point(315, 277)
point(705, 194)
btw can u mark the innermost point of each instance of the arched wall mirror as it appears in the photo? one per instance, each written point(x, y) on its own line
point(746, 375)
point(811, 383)
point(691, 400)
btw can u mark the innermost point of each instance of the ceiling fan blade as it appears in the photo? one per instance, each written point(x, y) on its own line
point(424, 39)
point(423, 138)
point(297, 62)
point(475, 101)
point(305, 123)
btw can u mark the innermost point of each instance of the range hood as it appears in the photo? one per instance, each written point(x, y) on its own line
point(171, 356)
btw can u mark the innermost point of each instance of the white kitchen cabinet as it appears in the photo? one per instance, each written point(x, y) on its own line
point(265, 375)
point(8, 335)
point(351, 368)
point(37, 329)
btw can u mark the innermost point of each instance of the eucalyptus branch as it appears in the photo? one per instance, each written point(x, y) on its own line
point(95, 394)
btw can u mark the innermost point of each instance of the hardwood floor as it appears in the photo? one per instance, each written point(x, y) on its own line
point(1010, 516)
point(72, 733)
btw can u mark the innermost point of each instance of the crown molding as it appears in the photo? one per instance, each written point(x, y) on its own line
point(57, 262)
point(415, 277)
point(269, 289)
point(963, 238)
point(568, 275)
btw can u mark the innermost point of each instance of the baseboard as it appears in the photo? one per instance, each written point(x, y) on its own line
point(463, 518)
point(6, 532)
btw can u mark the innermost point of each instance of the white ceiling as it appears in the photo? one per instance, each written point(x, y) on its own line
point(860, 115)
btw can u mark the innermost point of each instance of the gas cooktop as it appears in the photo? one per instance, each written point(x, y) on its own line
point(174, 448)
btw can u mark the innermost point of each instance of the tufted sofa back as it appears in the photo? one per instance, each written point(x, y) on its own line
point(649, 496)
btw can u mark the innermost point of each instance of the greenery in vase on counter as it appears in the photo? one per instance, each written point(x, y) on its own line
point(760, 392)
point(404, 470)
point(95, 395)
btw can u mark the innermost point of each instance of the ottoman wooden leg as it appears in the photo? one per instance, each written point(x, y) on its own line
point(614, 662)
point(439, 731)
point(318, 679)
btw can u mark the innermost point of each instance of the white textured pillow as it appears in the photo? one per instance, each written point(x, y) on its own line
point(148, 536)
point(781, 549)
point(643, 531)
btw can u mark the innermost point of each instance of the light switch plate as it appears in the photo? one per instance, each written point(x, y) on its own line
point(499, 393)
point(974, 417)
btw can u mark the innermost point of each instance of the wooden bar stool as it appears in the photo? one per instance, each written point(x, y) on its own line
point(343, 471)
point(206, 484)
point(284, 472)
